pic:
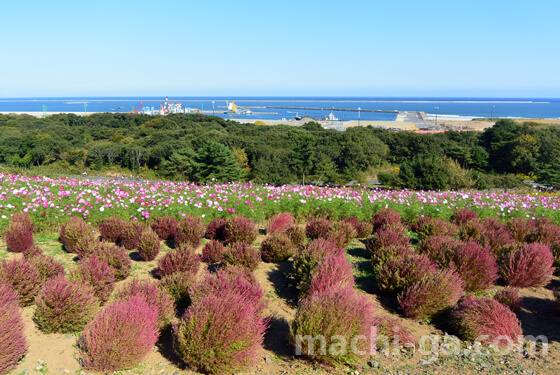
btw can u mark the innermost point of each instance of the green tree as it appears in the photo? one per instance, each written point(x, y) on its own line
point(216, 162)
point(182, 164)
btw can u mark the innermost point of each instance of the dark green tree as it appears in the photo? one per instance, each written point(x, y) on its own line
point(216, 162)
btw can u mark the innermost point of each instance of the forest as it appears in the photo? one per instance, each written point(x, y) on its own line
point(198, 148)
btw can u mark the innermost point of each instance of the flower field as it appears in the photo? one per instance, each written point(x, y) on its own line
point(51, 201)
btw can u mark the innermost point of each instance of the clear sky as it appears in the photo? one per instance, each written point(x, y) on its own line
point(473, 48)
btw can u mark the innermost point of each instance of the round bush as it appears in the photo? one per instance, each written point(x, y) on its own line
point(119, 336)
point(242, 254)
point(97, 274)
point(333, 314)
point(241, 229)
point(131, 233)
point(218, 335)
point(385, 217)
point(426, 227)
point(277, 249)
point(477, 317)
point(471, 230)
point(463, 215)
point(64, 306)
point(476, 266)
point(23, 277)
point(509, 297)
point(544, 232)
point(155, 297)
point(520, 228)
point(18, 237)
point(216, 230)
point(182, 259)
point(280, 223)
point(364, 229)
point(47, 267)
point(387, 237)
point(499, 240)
point(213, 251)
point(530, 266)
point(317, 228)
point(439, 248)
point(111, 229)
point(431, 295)
point(190, 231)
point(32, 252)
point(296, 235)
point(149, 245)
point(332, 272)
point(399, 272)
point(307, 258)
point(13, 344)
point(178, 285)
point(165, 227)
point(341, 233)
point(24, 218)
point(76, 233)
point(116, 257)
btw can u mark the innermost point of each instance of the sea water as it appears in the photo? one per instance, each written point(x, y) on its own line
point(463, 107)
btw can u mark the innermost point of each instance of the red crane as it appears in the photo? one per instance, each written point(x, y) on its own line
point(139, 107)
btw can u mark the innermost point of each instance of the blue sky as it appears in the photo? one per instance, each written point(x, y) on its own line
point(291, 48)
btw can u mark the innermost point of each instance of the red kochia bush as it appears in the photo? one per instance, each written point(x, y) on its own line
point(32, 252)
point(64, 306)
point(111, 229)
point(182, 259)
point(520, 228)
point(317, 228)
point(341, 233)
point(23, 217)
point(307, 257)
point(401, 271)
point(332, 272)
point(509, 297)
point(13, 344)
point(119, 336)
point(231, 281)
point(364, 229)
point(76, 233)
point(463, 215)
point(476, 266)
point(130, 237)
point(387, 237)
point(296, 235)
point(545, 232)
point(333, 314)
point(431, 295)
point(18, 237)
point(218, 335)
point(148, 245)
point(439, 248)
point(478, 317)
point(498, 239)
point(97, 274)
point(280, 223)
point(242, 254)
point(190, 231)
point(178, 285)
point(241, 229)
point(277, 249)
point(426, 227)
point(47, 267)
point(213, 251)
point(471, 230)
point(530, 266)
point(116, 257)
point(155, 297)
point(385, 217)
point(165, 227)
point(23, 277)
point(216, 230)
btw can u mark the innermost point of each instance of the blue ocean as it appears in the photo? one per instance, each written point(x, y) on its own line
point(344, 108)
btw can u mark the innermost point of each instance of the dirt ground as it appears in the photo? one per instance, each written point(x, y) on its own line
point(57, 354)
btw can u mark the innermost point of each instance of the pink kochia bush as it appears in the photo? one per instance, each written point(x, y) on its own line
point(220, 335)
point(13, 344)
point(341, 233)
point(25, 219)
point(111, 229)
point(18, 237)
point(241, 229)
point(213, 251)
point(119, 336)
point(333, 314)
point(115, 256)
point(242, 254)
point(401, 271)
point(47, 267)
point(545, 232)
point(182, 259)
point(154, 296)
point(131, 233)
point(296, 234)
point(216, 230)
point(190, 231)
point(426, 227)
point(277, 248)
point(509, 297)
point(530, 266)
point(317, 228)
point(476, 266)
point(76, 234)
point(64, 306)
point(148, 246)
point(178, 285)
point(332, 272)
point(32, 252)
point(385, 217)
point(387, 237)
point(431, 295)
point(97, 274)
point(520, 228)
point(165, 227)
point(463, 215)
point(23, 277)
point(307, 258)
point(439, 248)
point(478, 317)
point(279, 223)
